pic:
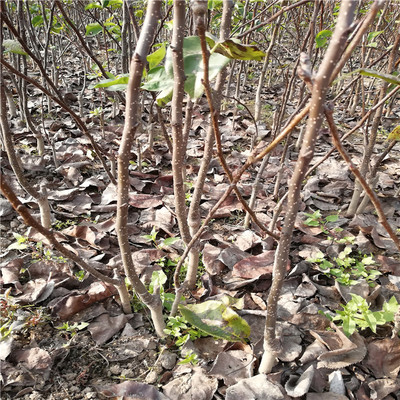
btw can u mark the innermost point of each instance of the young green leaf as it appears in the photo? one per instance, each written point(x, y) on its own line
point(117, 83)
point(217, 319)
point(349, 325)
point(322, 38)
point(155, 58)
point(93, 29)
point(395, 134)
point(158, 279)
point(169, 241)
point(376, 74)
point(332, 218)
point(370, 319)
point(13, 46)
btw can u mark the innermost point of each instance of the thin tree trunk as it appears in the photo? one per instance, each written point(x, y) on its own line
point(321, 84)
point(132, 121)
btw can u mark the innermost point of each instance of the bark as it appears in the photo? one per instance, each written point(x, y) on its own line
point(321, 84)
point(39, 195)
point(194, 216)
point(178, 142)
point(132, 121)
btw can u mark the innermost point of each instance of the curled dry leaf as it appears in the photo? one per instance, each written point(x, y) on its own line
point(10, 273)
point(212, 264)
point(383, 387)
point(298, 386)
point(343, 351)
point(71, 304)
point(312, 352)
point(35, 290)
point(87, 233)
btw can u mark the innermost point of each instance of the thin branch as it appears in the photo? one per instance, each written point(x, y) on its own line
point(49, 234)
point(66, 108)
point(368, 190)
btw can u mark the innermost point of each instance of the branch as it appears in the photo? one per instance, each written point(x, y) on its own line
point(368, 190)
point(49, 234)
point(64, 106)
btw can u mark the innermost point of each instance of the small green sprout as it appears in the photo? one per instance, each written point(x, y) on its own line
point(357, 315)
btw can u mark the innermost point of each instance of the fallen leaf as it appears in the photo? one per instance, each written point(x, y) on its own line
point(196, 386)
point(345, 352)
point(383, 358)
point(129, 390)
point(254, 388)
point(76, 301)
point(383, 387)
point(104, 327)
point(34, 359)
point(298, 386)
point(233, 366)
point(255, 266)
point(326, 396)
point(145, 200)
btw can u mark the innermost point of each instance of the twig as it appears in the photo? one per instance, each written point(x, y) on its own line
point(368, 190)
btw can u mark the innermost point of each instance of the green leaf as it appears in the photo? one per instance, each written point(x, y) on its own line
point(20, 244)
point(332, 218)
point(194, 72)
point(211, 39)
point(93, 29)
point(115, 3)
point(236, 51)
point(158, 80)
point(13, 46)
point(373, 35)
point(37, 21)
point(218, 319)
point(369, 260)
point(169, 241)
point(158, 279)
point(375, 74)
point(391, 306)
point(349, 325)
point(92, 5)
point(322, 38)
point(311, 222)
point(395, 134)
point(57, 28)
point(168, 300)
point(214, 4)
point(155, 58)
point(370, 319)
point(164, 97)
point(325, 264)
point(112, 27)
point(162, 79)
point(117, 83)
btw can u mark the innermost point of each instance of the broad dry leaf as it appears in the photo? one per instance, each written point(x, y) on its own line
point(383, 358)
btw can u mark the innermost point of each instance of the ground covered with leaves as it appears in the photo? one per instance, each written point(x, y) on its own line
point(64, 335)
